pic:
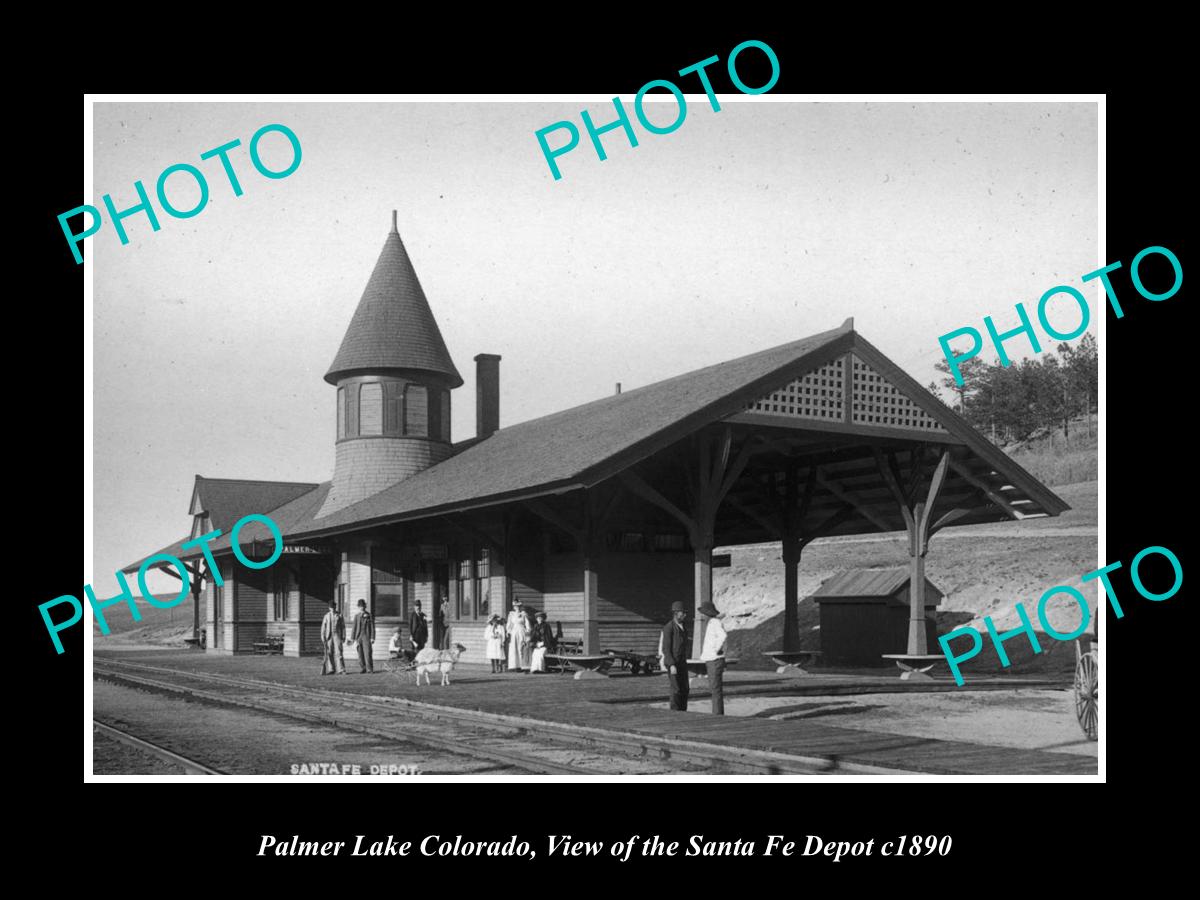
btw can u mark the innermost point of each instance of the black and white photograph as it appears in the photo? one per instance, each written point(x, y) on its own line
point(440, 438)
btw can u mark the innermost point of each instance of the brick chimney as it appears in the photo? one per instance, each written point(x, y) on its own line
point(487, 394)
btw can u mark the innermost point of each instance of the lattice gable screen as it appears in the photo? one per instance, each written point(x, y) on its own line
point(821, 395)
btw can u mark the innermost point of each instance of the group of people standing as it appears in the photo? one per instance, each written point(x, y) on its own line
point(362, 636)
point(524, 645)
point(333, 636)
point(674, 655)
point(521, 643)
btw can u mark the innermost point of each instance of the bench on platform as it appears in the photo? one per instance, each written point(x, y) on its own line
point(915, 666)
point(564, 650)
point(272, 646)
point(792, 662)
point(637, 663)
point(586, 665)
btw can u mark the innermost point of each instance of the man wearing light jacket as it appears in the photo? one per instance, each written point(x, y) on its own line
point(333, 633)
point(713, 655)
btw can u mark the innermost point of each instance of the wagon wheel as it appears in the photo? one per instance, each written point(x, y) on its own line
point(1087, 690)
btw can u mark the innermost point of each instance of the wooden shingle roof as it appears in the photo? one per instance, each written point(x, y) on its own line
point(225, 501)
point(228, 499)
point(393, 326)
point(870, 583)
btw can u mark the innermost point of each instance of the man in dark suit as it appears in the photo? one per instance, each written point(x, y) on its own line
point(418, 628)
point(363, 635)
point(675, 645)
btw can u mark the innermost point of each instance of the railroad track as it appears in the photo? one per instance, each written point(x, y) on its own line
point(190, 766)
point(315, 705)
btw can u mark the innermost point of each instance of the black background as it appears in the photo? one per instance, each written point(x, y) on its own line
point(1002, 831)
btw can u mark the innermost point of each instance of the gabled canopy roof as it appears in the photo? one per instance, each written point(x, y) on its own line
point(393, 326)
point(225, 501)
point(228, 499)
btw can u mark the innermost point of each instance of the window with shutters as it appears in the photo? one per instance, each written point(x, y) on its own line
point(463, 594)
point(483, 592)
point(370, 408)
point(341, 413)
point(444, 433)
point(416, 411)
point(394, 398)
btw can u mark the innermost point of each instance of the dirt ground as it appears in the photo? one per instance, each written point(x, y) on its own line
point(111, 757)
point(1028, 719)
point(248, 742)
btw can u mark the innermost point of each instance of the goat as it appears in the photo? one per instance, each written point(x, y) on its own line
point(441, 660)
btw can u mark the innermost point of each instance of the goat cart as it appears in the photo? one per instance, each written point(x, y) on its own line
point(1087, 688)
point(403, 667)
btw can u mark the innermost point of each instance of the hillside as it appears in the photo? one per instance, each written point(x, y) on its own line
point(981, 569)
point(1054, 458)
point(160, 627)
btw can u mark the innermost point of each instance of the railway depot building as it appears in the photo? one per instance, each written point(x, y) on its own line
point(601, 515)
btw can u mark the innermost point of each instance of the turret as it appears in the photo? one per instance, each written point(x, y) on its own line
point(394, 376)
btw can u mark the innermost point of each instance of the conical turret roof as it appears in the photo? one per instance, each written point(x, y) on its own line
point(393, 326)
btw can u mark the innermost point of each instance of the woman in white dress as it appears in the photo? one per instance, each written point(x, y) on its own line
point(517, 628)
point(493, 633)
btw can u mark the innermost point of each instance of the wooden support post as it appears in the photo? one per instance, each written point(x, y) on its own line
point(591, 611)
point(917, 645)
point(791, 599)
point(591, 581)
point(197, 587)
point(703, 591)
point(505, 565)
point(792, 517)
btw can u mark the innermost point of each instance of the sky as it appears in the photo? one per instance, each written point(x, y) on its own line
point(743, 229)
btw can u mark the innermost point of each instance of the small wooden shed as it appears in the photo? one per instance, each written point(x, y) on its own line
point(865, 612)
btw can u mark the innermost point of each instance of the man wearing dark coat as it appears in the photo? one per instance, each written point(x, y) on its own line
point(418, 628)
point(363, 635)
point(675, 645)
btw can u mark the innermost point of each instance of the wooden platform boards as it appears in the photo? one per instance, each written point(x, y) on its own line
point(619, 705)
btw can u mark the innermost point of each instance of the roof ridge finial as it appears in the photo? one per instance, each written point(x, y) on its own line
point(395, 230)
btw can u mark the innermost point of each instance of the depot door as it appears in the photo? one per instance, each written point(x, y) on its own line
point(441, 603)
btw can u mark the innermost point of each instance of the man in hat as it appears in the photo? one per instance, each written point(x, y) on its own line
point(418, 628)
point(675, 653)
point(713, 655)
point(363, 635)
point(517, 628)
point(333, 633)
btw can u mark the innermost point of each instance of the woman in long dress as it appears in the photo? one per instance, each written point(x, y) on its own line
point(493, 632)
point(517, 628)
point(542, 641)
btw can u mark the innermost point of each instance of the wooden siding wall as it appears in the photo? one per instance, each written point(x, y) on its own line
point(562, 598)
point(252, 608)
point(636, 591)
